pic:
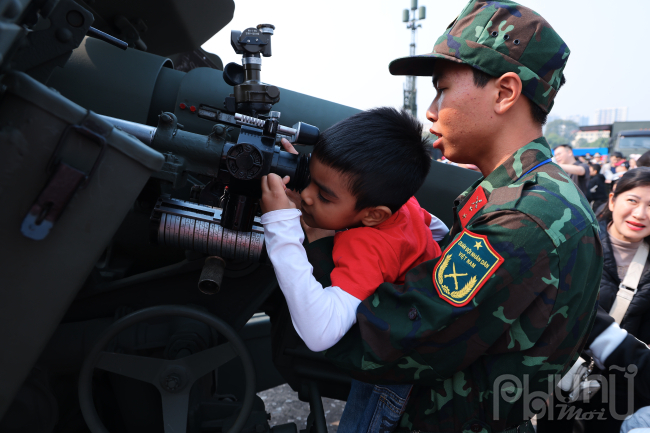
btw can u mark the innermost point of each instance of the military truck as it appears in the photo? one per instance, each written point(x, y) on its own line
point(634, 141)
point(625, 137)
point(135, 291)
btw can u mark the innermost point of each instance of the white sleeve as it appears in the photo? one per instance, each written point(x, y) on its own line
point(438, 229)
point(606, 342)
point(321, 316)
point(606, 171)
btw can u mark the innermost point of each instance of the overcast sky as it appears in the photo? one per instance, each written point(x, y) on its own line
point(340, 50)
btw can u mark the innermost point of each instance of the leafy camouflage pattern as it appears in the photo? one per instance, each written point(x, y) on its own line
point(498, 37)
point(528, 321)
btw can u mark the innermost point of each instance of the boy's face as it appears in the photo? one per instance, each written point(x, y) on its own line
point(327, 203)
point(462, 113)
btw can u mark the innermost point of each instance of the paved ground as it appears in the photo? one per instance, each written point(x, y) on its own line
point(283, 405)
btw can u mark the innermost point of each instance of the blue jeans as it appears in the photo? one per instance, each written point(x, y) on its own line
point(373, 408)
point(638, 420)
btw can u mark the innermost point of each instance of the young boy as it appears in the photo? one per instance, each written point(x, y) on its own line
point(364, 173)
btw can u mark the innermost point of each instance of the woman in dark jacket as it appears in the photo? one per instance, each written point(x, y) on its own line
point(618, 351)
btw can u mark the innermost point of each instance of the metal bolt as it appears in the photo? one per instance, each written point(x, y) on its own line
point(172, 382)
point(218, 129)
point(75, 18)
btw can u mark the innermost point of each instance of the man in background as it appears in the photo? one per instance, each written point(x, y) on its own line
point(578, 171)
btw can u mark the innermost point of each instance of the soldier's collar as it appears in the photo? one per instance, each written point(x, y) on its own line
point(520, 162)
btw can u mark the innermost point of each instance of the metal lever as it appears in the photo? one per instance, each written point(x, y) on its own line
point(107, 38)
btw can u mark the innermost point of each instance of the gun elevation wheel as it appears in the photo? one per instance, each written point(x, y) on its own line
point(172, 378)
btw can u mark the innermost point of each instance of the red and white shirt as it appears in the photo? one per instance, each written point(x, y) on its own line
point(366, 257)
point(322, 316)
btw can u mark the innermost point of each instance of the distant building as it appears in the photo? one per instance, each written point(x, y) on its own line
point(589, 136)
point(607, 116)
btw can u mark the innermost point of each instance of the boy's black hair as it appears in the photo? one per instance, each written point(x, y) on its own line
point(539, 115)
point(595, 167)
point(383, 153)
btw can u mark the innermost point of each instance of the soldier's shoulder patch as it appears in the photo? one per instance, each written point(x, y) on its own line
point(465, 266)
point(475, 203)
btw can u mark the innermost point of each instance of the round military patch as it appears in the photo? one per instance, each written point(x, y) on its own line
point(466, 264)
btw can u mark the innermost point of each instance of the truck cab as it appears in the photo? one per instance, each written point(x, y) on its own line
point(632, 142)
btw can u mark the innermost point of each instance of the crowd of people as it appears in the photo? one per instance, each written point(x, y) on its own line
point(596, 176)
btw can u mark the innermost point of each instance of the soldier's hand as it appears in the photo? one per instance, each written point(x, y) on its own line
point(288, 147)
point(274, 196)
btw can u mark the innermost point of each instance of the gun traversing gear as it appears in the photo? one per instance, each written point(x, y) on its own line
point(190, 226)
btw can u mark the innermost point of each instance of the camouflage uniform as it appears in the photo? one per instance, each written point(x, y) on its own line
point(513, 297)
point(528, 320)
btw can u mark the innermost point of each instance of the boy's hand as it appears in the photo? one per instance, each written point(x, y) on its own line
point(274, 196)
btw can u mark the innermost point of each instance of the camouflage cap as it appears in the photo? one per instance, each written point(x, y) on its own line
point(498, 37)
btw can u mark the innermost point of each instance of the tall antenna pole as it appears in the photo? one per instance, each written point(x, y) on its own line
point(410, 92)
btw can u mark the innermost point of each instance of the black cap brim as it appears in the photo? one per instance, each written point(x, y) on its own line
point(418, 66)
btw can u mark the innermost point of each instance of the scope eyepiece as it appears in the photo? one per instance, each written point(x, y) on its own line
point(302, 176)
point(266, 28)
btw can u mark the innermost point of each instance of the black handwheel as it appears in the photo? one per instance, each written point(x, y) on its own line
point(173, 378)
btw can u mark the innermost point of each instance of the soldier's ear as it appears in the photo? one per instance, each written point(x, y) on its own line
point(374, 216)
point(508, 87)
